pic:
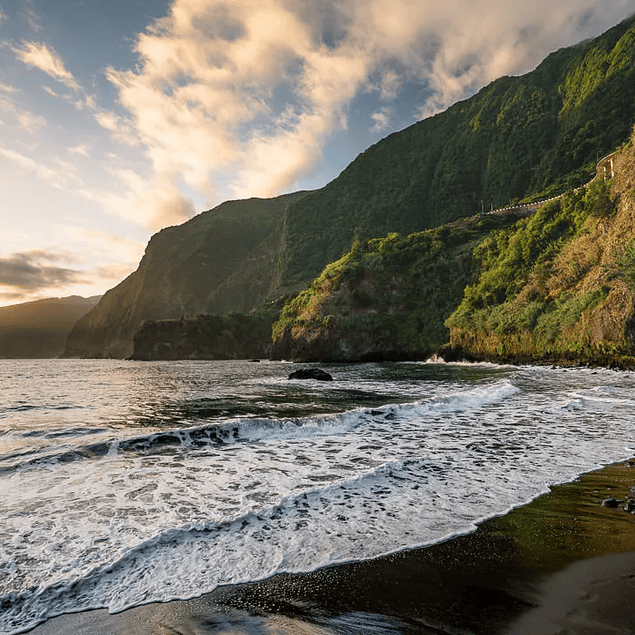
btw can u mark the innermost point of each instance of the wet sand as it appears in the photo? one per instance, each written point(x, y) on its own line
point(563, 564)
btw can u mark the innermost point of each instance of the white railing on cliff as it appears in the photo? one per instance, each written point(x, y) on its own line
point(533, 207)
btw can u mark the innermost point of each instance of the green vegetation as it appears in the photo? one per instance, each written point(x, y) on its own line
point(545, 290)
point(387, 298)
point(520, 138)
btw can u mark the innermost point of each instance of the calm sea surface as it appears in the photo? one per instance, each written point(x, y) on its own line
point(123, 483)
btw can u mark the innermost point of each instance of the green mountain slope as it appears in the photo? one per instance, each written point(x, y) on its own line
point(515, 139)
point(558, 286)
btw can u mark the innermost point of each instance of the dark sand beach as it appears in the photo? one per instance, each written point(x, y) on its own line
point(563, 564)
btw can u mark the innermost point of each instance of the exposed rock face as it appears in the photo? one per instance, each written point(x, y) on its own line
point(235, 336)
point(222, 260)
point(39, 329)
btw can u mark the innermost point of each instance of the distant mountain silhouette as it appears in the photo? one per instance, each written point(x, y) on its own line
point(39, 329)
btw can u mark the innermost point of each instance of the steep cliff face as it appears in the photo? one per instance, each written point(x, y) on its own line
point(387, 299)
point(234, 336)
point(516, 138)
point(222, 260)
point(559, 286)
point(535, 135)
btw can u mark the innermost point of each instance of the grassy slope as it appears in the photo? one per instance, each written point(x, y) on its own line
point(385, 299)
point(517, 137)
point(558, 286)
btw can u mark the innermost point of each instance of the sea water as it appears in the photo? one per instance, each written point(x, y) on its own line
point(123, 483)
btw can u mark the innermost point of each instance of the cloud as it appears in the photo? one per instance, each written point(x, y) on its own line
point(35, 270)
point(80, 150)
point(30, 122)
point(28, 14)
point(59, 177)
point(240, 98)
point(39, 55)
point(381, 119)
point(122, 131)
point(25, 119)
point(6, 88)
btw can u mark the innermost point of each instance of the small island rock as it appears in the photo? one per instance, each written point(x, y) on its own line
point(311, 373)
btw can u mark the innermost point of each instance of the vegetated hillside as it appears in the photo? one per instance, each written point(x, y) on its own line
point(519, 136)
point(221, 260)
point(387, 298)
point(558, 286)
point(39, 329)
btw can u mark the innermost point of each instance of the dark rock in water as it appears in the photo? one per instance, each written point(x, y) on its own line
point(613, 503)
point(254, 360)
point(311, 373)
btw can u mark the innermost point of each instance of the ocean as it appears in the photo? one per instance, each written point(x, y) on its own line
point(124, 483)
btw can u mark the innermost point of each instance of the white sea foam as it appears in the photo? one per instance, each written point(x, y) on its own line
point(132, 517)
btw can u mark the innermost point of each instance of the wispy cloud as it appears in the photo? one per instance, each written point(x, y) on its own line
point(41, 56)
point(6, 88)
point(30, 16)
point(30, 122)
point(34, 271)
point(57, 176)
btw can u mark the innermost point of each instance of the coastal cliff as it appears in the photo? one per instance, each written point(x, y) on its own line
point(520, 139)
point(220, 261)
point(559, 286)
point(235, 336)
point(387, 299)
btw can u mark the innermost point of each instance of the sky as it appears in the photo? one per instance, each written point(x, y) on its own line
point(121, 117)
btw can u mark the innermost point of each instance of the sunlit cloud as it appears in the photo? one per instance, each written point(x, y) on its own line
point(81, 150)
point(122, 131)
point(30, 122)
point(240, 98)
point(5, 88)
point(39, 55)
point(59, 176)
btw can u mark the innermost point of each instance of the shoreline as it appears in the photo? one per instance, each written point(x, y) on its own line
point(560, 564)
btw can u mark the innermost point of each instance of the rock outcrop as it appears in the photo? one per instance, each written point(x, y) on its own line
point(235, 336)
